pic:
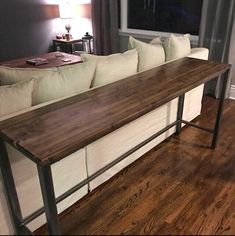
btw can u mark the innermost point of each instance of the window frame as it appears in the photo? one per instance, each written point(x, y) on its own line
point(148, 34)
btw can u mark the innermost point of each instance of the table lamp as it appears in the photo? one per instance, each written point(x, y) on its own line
point(66, 12)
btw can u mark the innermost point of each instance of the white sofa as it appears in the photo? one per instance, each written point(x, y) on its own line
point(88, 160)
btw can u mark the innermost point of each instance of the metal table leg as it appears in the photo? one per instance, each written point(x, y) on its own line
point(71, 48)
point(48, 193)
point(10, 188)
point(220, 110)
point(54, 46)
point(180, 113)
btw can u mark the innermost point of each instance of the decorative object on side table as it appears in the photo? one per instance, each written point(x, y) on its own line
point(88, 44)
point(59, 36)
point(37, 61)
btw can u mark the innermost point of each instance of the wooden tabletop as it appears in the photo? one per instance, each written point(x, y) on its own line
point(65, 41)
point(52, 57)
point(51, 133)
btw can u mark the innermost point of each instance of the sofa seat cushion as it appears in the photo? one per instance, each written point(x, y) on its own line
point(15, 97)
point(69, 80)
point(150, 55)
point(113, 67)
point(177, 47)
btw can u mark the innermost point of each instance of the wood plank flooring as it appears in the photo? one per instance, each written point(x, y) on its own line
point(180, 187)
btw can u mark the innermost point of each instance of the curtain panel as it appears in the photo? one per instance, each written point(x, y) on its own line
point(105, 26)
point(215, 34)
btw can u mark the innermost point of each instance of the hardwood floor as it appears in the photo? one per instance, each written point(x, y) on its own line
point(180, 187)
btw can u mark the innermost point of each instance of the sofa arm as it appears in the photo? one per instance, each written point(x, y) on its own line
point(199, 53)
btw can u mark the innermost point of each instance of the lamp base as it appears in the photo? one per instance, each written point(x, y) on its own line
point(68, 27)
point(68, 36)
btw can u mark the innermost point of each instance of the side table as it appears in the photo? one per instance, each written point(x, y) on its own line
point(66, 45)
point(55, 59)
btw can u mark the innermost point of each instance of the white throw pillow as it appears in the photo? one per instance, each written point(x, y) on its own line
point(83, 72)
point(113, 67)
point(10, 76)
point(15, 97)
point(177, 46)
point(150, 55)
point(156, 41)
point(199, 53)
point(72, 79)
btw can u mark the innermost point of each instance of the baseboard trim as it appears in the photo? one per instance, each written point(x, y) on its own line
point(232, 92)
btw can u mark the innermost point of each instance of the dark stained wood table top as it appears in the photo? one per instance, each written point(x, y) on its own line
point(52, 57)
point(48, 134)
point(67, 41)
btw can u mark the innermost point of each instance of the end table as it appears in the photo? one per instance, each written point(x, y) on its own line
point(66, 45)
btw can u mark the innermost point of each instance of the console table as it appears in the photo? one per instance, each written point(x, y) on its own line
point(128, 99)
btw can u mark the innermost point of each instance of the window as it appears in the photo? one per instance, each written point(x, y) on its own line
point(173, 16)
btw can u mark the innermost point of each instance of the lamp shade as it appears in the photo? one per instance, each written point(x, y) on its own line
point(66, 9)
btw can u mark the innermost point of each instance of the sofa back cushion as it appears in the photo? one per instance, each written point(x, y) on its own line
point(52, 83)
point(10, 76)
point(113, 67)
point(156, 41)
point(70, 80)
point(199, 53)
point(15, 97)
point(177, 47)
point(150, 55)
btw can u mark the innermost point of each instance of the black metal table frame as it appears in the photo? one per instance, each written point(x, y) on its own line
point(46, 181)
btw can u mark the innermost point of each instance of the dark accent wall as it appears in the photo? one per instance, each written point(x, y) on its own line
point(26, 28)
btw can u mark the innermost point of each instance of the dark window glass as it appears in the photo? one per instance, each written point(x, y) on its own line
point(119, 14)
point(177, 16)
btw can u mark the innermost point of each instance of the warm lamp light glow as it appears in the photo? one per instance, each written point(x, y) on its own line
point(83, 10)
point(66, 9)
point(66, 12)
point(76, 17)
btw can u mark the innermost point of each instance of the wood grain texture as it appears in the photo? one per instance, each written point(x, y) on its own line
point(50, 133)
point(180, 187)
point(51, 57)
point(64, 41)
